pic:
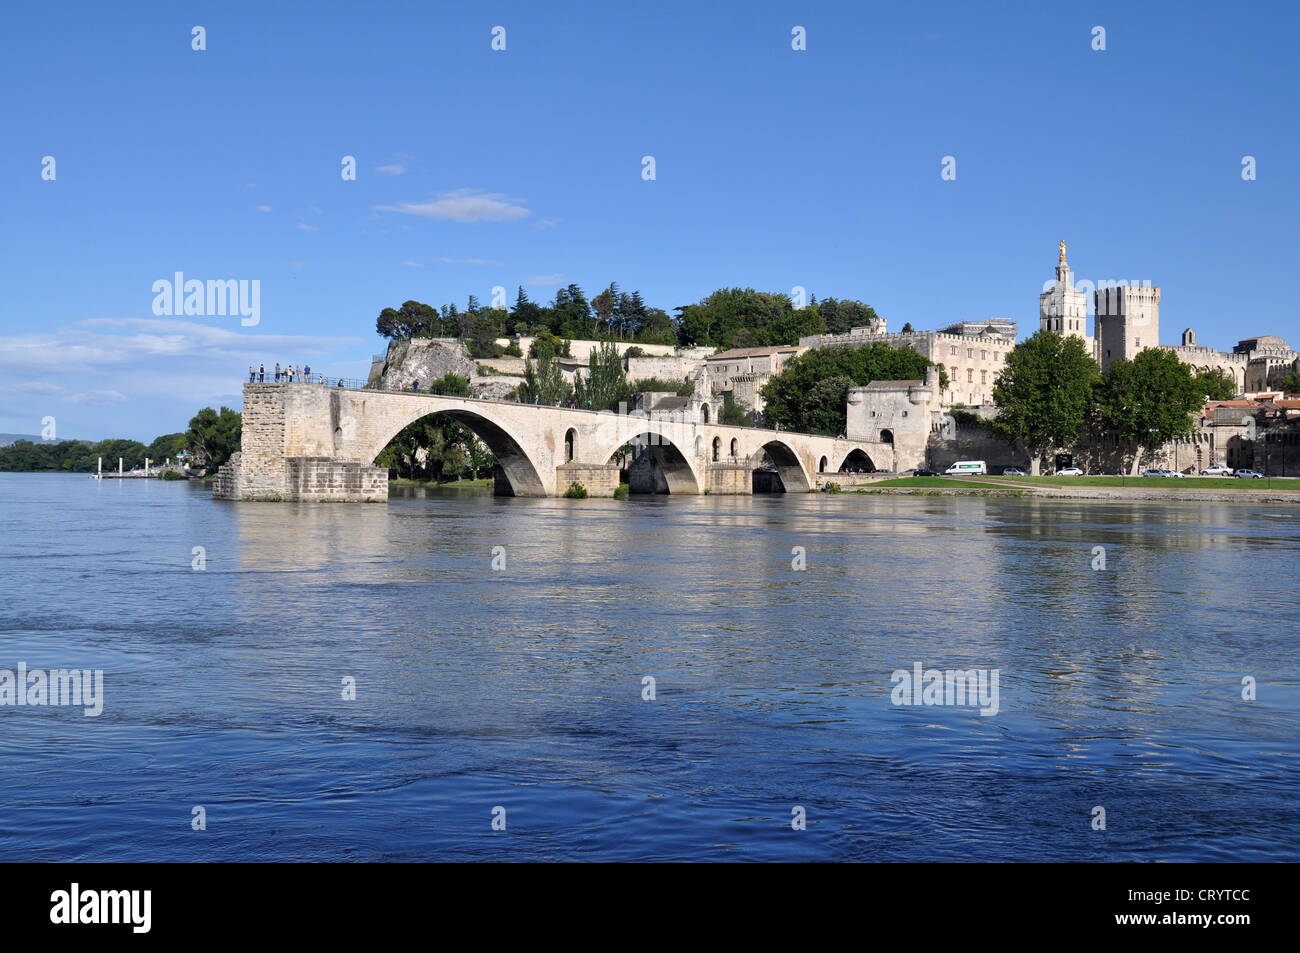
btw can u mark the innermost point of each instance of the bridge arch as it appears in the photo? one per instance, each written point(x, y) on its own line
point(794, 477)
point(857, 459)
point(679, 468)
point(520, 471)
point(670, 470)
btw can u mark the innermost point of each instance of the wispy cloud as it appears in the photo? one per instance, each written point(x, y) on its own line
point(547, 222)
point(308, 228)
point(97, 398)
point(412, 264)
point(264, 208)
point(544, 281)
point(464, 205)
point(395, 168)
point(467, 261)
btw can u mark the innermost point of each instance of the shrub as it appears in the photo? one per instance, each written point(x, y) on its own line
point(622, 491)
point(576, 491)
point(172, 475)
point(512, 350)
point(832, 488)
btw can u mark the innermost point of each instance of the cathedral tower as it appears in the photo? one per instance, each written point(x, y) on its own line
point(1063, 309)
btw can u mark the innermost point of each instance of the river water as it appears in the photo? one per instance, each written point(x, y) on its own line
point(522, 688)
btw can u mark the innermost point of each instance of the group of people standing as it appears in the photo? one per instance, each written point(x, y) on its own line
point(288, 375)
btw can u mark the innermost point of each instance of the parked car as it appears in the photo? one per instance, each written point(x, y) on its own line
point(1156, 472)
point(1248, 475)
point(1012, 471)
point(1070, 471)
point(1217, 470)
point(922, 471)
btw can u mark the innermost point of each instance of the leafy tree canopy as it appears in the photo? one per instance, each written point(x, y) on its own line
point(1044, 394)
point(810, 392)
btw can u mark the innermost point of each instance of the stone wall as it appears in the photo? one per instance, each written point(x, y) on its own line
point(729, 479)
point(596, 479)
point(320, 479)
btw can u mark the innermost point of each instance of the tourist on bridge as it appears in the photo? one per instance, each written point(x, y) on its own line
point(261, 373)
point(252, 374)
point(415, 387)
point(306, 372)
point(277, 372)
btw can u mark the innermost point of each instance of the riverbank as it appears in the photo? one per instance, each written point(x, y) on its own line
point(1192, 490)
point(485, 483)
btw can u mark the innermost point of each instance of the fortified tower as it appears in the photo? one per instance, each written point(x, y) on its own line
point(1062, 308)
point(1128, 321)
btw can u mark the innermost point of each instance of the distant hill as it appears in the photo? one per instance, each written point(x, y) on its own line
point(8, 438)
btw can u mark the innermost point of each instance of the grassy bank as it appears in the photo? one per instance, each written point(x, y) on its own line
point(485, 483)
point(926, 482)
point(1147, 483)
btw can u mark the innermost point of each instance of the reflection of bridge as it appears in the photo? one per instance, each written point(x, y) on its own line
point(312, 442)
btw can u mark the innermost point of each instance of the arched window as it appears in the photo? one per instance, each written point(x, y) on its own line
point(733, 448)
point(570, 444)
point(704, 412)
point(887, 436)
point(717, 448)
point(821, 467)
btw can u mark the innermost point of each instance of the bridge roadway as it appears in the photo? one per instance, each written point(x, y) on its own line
point(311, 441)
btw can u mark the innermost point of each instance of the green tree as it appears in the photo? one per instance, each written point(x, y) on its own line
point(1044, 394)
point(165, 446)
point(547, 344)
point(412, 319)
point(1215, 385)
point(842, 316)
point(743, 317)
point(790, 398)
point(213, 436)
point(1147, 401)
point(605, 385)
point(732, 412)
point(1289, 384)
point(450, 385)
point(652, 385)
point(544, 383)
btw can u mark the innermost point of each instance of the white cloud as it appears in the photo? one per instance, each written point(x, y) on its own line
point(30, 387)
point(412, 264)
point(547, 222)
point(97, 398)
point(542, 281)
point(308, 228)
point(393, 169)
point(264, 208)
point(464, 205)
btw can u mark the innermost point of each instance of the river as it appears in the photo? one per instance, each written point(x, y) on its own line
point(523, 687)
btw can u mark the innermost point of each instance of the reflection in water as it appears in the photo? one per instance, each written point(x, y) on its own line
point(522, 687)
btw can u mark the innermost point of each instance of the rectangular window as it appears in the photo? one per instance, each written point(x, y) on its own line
point(984, 377)
point(984, 355)
point(970, 352)
point(954, 350)
point(970, 375)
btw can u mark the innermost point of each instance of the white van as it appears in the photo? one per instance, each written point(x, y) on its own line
point(968, 466)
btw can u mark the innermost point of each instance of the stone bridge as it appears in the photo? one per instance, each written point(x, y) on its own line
point(305, 441)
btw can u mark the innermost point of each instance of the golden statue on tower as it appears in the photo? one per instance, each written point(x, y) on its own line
point(1062, 251)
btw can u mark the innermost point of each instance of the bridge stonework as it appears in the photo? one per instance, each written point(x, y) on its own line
point(309, 442)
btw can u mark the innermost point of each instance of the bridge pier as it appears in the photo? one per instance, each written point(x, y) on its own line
point(730, 479)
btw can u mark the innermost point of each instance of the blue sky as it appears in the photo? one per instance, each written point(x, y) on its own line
point(478, 168)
